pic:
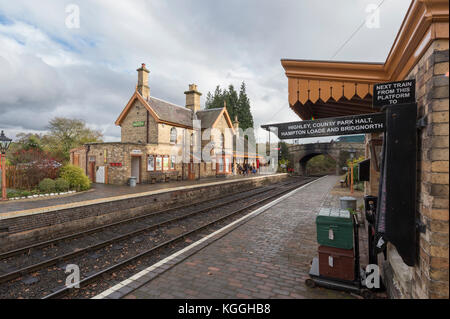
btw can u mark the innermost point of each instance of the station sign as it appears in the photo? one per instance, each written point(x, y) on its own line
point(392, 93)
point(345, 125)
point(138, 124)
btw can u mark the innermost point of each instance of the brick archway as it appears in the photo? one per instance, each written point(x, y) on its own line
point(301, 154)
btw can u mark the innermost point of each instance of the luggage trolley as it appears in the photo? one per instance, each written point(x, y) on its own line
point(357, 285)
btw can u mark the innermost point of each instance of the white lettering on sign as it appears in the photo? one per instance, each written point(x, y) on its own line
point(394, 93)
point(333, 126)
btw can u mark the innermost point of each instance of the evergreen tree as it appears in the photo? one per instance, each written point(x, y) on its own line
point(237, 104)
point(244, 113)
point(231, 97)
point(209, 100)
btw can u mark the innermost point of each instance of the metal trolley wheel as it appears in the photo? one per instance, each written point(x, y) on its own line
point(310, 283)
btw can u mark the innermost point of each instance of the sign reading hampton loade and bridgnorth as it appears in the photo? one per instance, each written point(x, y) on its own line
point(345, 125)
point(392, 93)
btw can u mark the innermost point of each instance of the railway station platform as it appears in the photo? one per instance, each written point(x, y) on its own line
point(265, 254)
point(27, 222)
point(102, 192)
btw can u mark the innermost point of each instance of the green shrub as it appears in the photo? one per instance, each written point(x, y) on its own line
point(47, 185)
point(61, 185)
point(25, 194)
point(12, 194)
point(76, 178)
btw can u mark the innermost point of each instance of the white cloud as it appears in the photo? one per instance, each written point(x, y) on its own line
point(48, 70)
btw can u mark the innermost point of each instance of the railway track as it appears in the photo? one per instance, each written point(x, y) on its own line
point(39, 268)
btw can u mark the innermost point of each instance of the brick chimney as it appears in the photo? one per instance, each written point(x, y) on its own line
point(193, 98)
point(142, 84)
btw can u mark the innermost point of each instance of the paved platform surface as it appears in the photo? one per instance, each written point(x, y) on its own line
point(102, 191)
point(267, 257)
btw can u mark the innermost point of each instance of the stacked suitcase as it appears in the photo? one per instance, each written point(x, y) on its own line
point(336, 247)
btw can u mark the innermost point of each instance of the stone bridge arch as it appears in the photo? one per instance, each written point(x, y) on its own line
point(301, 154)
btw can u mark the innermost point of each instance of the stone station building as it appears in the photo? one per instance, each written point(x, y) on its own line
point(161, 141)
point(322, 89)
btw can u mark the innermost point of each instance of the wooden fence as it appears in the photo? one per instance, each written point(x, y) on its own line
point(28, 177)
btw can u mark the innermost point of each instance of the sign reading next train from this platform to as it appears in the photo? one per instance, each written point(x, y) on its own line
point(403, 92)
point(345, 125)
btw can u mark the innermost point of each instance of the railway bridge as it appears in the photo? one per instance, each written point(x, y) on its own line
point(339, 151)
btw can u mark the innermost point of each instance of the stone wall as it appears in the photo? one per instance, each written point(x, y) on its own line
point(24, 230)
point(132, 134)
point(301, 154)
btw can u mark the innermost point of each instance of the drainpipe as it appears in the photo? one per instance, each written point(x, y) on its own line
point(147, 127)
point(183, 154)
point(87, 158)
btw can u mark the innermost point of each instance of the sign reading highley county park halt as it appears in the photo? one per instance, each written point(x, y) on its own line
point(345, 125)
point(392, 93)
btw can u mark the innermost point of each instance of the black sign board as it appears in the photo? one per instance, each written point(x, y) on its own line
point(392, 93)
point(345, 125)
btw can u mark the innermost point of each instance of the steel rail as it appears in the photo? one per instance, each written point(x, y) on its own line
point(87, 280)
point(52, 261)
point(103, 227)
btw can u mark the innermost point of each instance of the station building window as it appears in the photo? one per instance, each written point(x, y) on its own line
point(221, 142)
point(151, 163)
point(158, 163)
point(173, 135)
point(165, 163)
point(172, 162)
point(161, 163)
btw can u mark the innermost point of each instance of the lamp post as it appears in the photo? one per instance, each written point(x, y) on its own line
point(352, 152)
point(4, 145)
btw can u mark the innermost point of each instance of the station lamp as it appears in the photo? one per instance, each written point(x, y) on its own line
point(4, 145)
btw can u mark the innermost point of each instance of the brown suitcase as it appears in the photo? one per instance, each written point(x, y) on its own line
point(337, 263)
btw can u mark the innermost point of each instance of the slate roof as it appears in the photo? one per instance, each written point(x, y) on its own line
point(208, 117)
point(171, 112)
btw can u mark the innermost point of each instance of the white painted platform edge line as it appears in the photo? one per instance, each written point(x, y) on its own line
point(168, 258)
point(41, 210)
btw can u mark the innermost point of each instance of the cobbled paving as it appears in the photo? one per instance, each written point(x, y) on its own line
point(268, 257)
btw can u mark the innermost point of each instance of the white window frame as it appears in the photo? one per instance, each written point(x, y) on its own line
point(172, 136)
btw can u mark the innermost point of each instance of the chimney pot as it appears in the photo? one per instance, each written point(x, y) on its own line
point(142, 85)
point(193, 98)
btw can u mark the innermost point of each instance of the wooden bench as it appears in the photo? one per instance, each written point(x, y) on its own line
point(164, 177)
point(156, 177)
point(170, 175)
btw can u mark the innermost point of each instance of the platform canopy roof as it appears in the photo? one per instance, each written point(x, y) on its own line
point(321, 89)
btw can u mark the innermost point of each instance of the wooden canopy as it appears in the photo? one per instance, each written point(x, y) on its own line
point(320, 99)
point(320, 89)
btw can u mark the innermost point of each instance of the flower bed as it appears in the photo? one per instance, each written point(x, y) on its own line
point(20, 195)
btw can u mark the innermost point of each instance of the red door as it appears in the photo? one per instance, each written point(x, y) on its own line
point(92, 171)
point(191, 171)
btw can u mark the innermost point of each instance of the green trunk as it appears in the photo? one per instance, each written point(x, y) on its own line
point(335, 228)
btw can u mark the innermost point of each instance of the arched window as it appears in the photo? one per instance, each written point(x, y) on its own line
point(192, 140)
point(173, 135)
point(221, 142)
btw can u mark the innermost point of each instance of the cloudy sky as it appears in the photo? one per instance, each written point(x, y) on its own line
point(49, 67)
